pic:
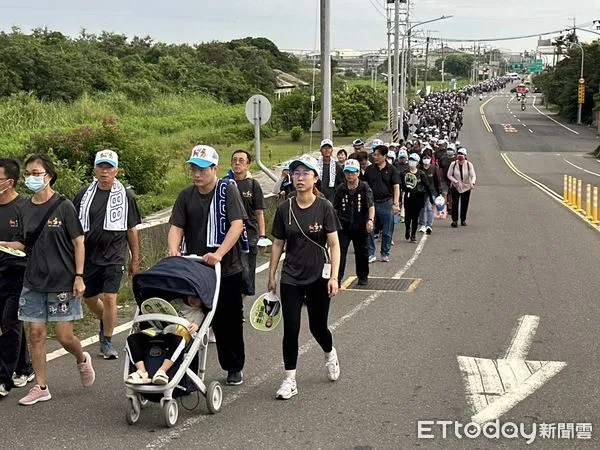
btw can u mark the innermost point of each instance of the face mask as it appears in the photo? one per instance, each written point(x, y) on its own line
point(426, 161)
point(4, 190)
point(35, 184)
point(412, 163)
point(450, 153)
point(461, 157)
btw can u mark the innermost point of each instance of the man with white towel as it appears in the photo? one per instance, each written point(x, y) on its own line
point(109, 215)
point(332, 173)
point(208, 220)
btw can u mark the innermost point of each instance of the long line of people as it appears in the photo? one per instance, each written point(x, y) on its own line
point(76, 251)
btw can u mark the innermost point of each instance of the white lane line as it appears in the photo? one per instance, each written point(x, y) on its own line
point(581, 168)
point(518, 119)
point(530, 130)
point(523, 124)
point(123, 327)
point(544, 114)
point(192, 422)
point(522, 338)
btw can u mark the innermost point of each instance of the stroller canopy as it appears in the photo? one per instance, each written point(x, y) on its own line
point(176, 277)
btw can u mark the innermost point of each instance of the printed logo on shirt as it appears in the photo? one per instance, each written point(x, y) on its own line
point(13, 223)
point(247, 194)
point(54, 223)
point(315, 228)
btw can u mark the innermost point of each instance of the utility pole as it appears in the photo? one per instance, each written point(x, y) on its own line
point(426, 65)
point(396, 122)
point(443, 60)
point(389, 69)
point(403, 69)
point(325, 70)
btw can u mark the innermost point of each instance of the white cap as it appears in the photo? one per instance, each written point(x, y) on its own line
point(351, 165)
point(391, 154)
point(415, 157)
point(107, 156)
point(204, 156)
point(308, 161)
point(462, 151)
point(402, 153)
point(326, 142)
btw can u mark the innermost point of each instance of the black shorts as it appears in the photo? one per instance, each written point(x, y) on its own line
point(102, 279)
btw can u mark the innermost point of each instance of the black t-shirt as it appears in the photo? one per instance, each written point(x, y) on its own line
point(104, 248)
point(191, 213)
point(323, 183)
point(253, 200)
point(51, 263)
point(382, 181)
point(304, 260)
point(11, 230)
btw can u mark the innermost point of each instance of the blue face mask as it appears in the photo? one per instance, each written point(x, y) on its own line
point(35, 184)
point(412, 163)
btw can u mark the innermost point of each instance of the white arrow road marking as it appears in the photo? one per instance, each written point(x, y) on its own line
point(493, 387)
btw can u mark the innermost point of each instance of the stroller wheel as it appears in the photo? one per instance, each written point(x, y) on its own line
point(132, 415)
point(214, 397)
point(171, 413)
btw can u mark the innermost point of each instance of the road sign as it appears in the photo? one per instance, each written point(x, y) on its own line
point(413, 120)
point(258, 107)
point(582, 81)
point(581, 94)
point(494, 386)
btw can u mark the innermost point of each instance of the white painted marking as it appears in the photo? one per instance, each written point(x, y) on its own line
point(250, 385)
point(518, 119)
point(493, 387)
point(526, 177)
point(522, 338)
point(581, 168)
point(125, 326)
point(544, 114)
point(530, 130)
point(523, 124)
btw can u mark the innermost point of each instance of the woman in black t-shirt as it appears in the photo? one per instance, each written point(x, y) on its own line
point(306, 224)
point(53, 282)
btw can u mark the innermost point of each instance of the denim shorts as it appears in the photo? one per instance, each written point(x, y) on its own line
point(49, 307)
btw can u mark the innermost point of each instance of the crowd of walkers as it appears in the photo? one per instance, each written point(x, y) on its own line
point(76, 251)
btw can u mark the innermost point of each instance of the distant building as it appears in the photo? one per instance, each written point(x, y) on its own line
point(287, 83)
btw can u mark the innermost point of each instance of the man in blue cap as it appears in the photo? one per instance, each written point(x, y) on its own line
point(197, 216)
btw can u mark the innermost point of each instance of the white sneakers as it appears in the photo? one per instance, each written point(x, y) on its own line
point(422, 229)
point(332, 365)
point(288, 389)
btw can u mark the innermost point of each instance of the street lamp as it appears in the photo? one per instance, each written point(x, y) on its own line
point(579, 105)
point(399, 124)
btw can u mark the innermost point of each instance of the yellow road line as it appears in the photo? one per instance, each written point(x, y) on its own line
point(348, 282)
point(545, 189)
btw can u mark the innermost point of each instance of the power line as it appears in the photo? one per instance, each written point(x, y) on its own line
point(562, 30)
point(378, 8)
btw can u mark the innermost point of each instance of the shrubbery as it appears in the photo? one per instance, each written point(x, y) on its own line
point(296, 133)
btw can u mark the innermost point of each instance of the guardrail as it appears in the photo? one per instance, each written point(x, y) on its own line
point(573, 197)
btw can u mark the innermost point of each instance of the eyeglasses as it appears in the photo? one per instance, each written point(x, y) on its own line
point(302, 173)
point(195, 168)
point(34, 174)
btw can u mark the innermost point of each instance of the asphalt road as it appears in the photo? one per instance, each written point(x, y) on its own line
point(522, 254)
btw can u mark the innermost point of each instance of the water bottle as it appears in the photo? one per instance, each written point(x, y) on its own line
point(395, 219)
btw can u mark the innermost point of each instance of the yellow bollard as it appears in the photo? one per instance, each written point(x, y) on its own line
point(574, 192)
point(566, 189)
point(569, 190)
point(595, 206)
point(579, 189)
point(588, 202)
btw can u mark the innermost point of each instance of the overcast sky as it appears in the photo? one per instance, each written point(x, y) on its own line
point(356, 24)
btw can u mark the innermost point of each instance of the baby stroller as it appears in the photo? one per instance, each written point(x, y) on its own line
point(171, 278)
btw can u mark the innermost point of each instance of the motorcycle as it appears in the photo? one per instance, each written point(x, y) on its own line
point(522, 106)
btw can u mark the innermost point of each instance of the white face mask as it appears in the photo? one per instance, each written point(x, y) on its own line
point(426, 161)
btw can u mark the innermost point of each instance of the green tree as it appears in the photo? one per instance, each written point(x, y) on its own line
point(459, 64)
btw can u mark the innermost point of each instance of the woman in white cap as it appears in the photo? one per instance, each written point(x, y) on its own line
point(415, 186)
point(461, 174)
point(307, 225)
